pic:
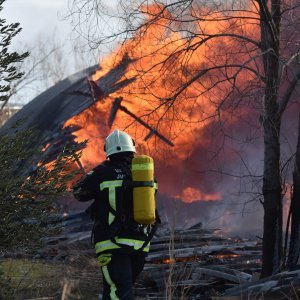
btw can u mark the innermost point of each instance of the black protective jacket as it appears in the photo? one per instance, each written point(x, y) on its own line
point(112, 209)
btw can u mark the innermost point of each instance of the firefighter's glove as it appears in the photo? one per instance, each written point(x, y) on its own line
point(104, 259)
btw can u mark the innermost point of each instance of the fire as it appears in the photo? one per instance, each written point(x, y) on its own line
point(221, 256)
point(190, 194)
point(94, 130)
point(159, 63)
point(227, 256)
point(170, 261)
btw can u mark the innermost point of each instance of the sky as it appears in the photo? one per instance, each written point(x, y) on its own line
point(42, 20)
point(37, 17)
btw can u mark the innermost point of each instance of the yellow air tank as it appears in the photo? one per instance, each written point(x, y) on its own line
point(143, 190)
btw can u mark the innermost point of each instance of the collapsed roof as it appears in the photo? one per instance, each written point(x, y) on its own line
point(49, 111)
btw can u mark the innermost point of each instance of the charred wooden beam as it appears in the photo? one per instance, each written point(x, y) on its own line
point(96, 92)
point(224, 273)
point(111, 81)
point(113, 111)
point(60, 141)
point(117, 106)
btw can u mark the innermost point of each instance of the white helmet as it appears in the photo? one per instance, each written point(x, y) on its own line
point(117, 142)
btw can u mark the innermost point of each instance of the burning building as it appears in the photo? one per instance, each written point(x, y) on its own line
point(207, 145)
point(87, 106)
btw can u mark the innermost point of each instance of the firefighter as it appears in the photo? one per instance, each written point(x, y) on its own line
point(121, 244)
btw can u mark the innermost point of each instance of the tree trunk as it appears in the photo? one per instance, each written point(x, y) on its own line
point(294, 249)
point(272, 236)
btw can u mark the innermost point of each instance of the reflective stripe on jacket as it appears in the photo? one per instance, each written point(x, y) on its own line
point(104, 246)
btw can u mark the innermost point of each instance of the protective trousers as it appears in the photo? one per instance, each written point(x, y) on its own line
point(119, 274)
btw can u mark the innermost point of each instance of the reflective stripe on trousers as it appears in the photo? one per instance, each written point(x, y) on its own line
point(120, 274)
point(113, 288)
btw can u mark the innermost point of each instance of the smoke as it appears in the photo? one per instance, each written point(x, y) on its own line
point(215, 168)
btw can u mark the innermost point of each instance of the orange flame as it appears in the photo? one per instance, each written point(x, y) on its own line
point(227, 255)
point(162, 62)
point(190, 194)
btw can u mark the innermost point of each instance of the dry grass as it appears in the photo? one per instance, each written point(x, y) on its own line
point(32, 279)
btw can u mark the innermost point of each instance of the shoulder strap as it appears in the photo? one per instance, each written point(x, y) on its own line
point(140, 184)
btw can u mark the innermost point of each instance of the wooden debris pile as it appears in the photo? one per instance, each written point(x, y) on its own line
point(285, 285)
point(198, 263)
point(194, 262)
point(74, 239)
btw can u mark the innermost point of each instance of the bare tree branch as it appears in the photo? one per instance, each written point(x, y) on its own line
point(289, 91)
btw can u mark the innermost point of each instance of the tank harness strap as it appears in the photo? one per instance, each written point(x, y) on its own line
point(113, 215)
point(153, 230)
point(140, 184)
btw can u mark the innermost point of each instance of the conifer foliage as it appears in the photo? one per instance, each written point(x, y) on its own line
point(28, 200)
point(8, 59)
